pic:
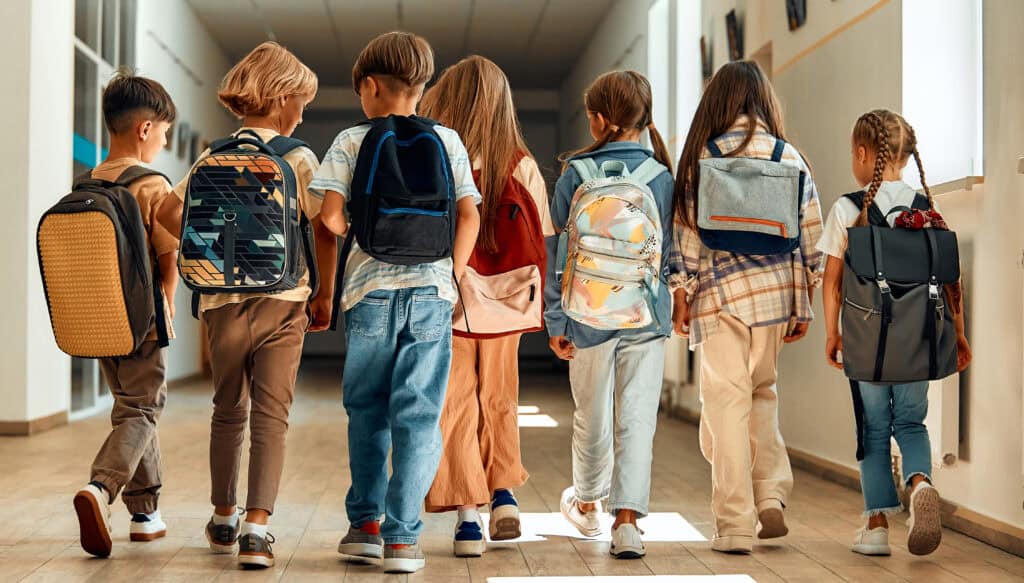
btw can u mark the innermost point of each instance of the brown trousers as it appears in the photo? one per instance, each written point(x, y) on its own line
point(479, 425)
point(739, 423)
point(255, 347)
point(130, 457)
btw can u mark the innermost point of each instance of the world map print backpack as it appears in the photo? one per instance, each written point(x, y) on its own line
point(609, 254)
point(242, 228)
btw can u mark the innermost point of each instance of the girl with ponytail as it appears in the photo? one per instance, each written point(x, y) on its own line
point(615, 375)
point(741, 309)
point(882, 145)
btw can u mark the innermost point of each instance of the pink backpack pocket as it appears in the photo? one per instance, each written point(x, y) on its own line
point(501, 304)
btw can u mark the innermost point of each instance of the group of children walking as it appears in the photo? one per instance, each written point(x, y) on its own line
point(631, 255)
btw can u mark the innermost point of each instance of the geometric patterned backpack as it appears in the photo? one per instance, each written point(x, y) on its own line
point(242, 229)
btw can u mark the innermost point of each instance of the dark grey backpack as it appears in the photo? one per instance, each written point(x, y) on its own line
point(896, 326)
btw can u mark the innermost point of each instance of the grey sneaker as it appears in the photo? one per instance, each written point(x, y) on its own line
point(222, 537)
point(255, 551)
point(364, 542)
point(403, 559)
point(626, 542)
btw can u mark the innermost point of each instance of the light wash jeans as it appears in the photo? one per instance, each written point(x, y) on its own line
point(396, 374)
point(617, 388)
point(892, 410)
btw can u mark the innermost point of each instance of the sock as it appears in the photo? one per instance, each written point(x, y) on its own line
point(230, 520)
point(259, 530)
point(469, 515)
point(371, 527)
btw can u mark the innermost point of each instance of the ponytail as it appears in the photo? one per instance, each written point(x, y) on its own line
point(660, 150)
point(882, 156)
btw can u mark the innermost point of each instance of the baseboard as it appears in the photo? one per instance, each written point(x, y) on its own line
point(34, 426)
point(954, 517)
point(186, 380)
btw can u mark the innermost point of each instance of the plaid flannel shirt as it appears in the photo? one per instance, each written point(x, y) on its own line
point(759, 290)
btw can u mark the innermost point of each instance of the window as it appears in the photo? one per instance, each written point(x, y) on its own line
point(104, 40)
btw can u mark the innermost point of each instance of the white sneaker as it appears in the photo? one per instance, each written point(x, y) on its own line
point(469, 538)
point(626, 543)
point(146, 527)
point(733, 544)
point(93, 509)
point(873, 542)
point(586, 522)
point(925, 521)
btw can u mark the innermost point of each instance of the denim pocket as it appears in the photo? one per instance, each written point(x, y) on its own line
point(369, 317)
point(429, 317)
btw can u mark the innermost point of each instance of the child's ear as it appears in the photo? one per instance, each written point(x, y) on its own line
point(145, 127)
point(862, 154)
point(370, 87)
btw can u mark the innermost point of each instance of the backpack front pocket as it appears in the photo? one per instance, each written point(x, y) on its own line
point(601, 302)
point(409, 226)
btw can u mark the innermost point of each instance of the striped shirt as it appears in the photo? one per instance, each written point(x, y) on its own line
point(759, 290)
point(364, 274)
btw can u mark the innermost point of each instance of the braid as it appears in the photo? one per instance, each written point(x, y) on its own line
point(920, 167)
point(882, 156)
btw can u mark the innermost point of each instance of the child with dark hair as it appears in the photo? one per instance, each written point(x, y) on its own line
point(138, 112)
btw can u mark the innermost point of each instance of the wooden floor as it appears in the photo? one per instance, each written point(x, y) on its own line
point(39, 475)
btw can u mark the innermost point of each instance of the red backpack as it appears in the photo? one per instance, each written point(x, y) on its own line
point(502, 293)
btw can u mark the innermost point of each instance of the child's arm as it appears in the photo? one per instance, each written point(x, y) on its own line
point(332, 213)
point(327, 265)
point(555, 320)
point(467, 227)
point(168, 214)
point(833, 298)
point(683, 280)
point(169, 277)
point(963, 347)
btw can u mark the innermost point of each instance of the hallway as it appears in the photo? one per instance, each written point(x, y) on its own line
point(38, 541)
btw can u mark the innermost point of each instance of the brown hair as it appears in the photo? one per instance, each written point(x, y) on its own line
point(402, 60)
point(267, 73)
point(623, 98)
point(128, 97)
point(893, 141)
point(473, 98)
point(738, 88)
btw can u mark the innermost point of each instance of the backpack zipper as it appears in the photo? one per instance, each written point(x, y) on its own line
point(764, 222)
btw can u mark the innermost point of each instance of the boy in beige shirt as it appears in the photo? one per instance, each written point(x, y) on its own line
point(138, 112)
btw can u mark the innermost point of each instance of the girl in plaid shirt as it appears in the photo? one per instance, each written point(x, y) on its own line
point(742, 308)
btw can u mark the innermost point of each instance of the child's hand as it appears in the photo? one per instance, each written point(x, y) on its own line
point(833, 346)
point(562, 347)
point(799, 331)
point(963, 353)
point(681, 315)
point(321, 307)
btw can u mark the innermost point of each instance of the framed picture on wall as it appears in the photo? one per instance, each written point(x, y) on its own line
point(170, 137)
point(184, 139)
point(732, 28)
point(796, 11)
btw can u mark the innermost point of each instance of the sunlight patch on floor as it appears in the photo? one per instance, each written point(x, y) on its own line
point(657, 527)
point(626, 578)
point(540, 420)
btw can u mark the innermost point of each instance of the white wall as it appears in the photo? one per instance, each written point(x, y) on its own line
point(174, 48)
point(620, 42)
point(35, 108)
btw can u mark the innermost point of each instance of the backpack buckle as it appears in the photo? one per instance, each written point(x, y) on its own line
point(883, 286)
point(933, 291)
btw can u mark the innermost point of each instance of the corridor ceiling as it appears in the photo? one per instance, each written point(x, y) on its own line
point(535, 41)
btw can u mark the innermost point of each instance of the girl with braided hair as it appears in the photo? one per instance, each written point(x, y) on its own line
point(882, 145)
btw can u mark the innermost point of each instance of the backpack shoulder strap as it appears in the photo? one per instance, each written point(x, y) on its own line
point(875, 216)
point(647, 171)
point(780, 147)
point(586, 168)
point(133, 173)
point(282, 145)
point(713, 148)
point(921, 203)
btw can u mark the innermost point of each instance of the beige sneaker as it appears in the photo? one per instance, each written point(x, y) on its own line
point(733, 544)
point(925, 521)
point(93, 509)
point(772, 519)
point(872, 542)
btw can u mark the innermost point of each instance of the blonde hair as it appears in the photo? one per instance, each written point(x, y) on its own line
point(267, 73)
point(623, 98)
point(893, 141)
point(473, 98)
point(403, 61)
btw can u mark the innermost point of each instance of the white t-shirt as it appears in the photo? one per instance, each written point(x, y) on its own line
point(844, 214)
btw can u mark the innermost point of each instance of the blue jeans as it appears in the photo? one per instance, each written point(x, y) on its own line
point(892, 410)
point(396, 374)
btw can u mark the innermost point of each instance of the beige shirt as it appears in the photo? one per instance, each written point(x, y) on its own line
point(528, 174)
point(305, 164)
point(150, 192)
